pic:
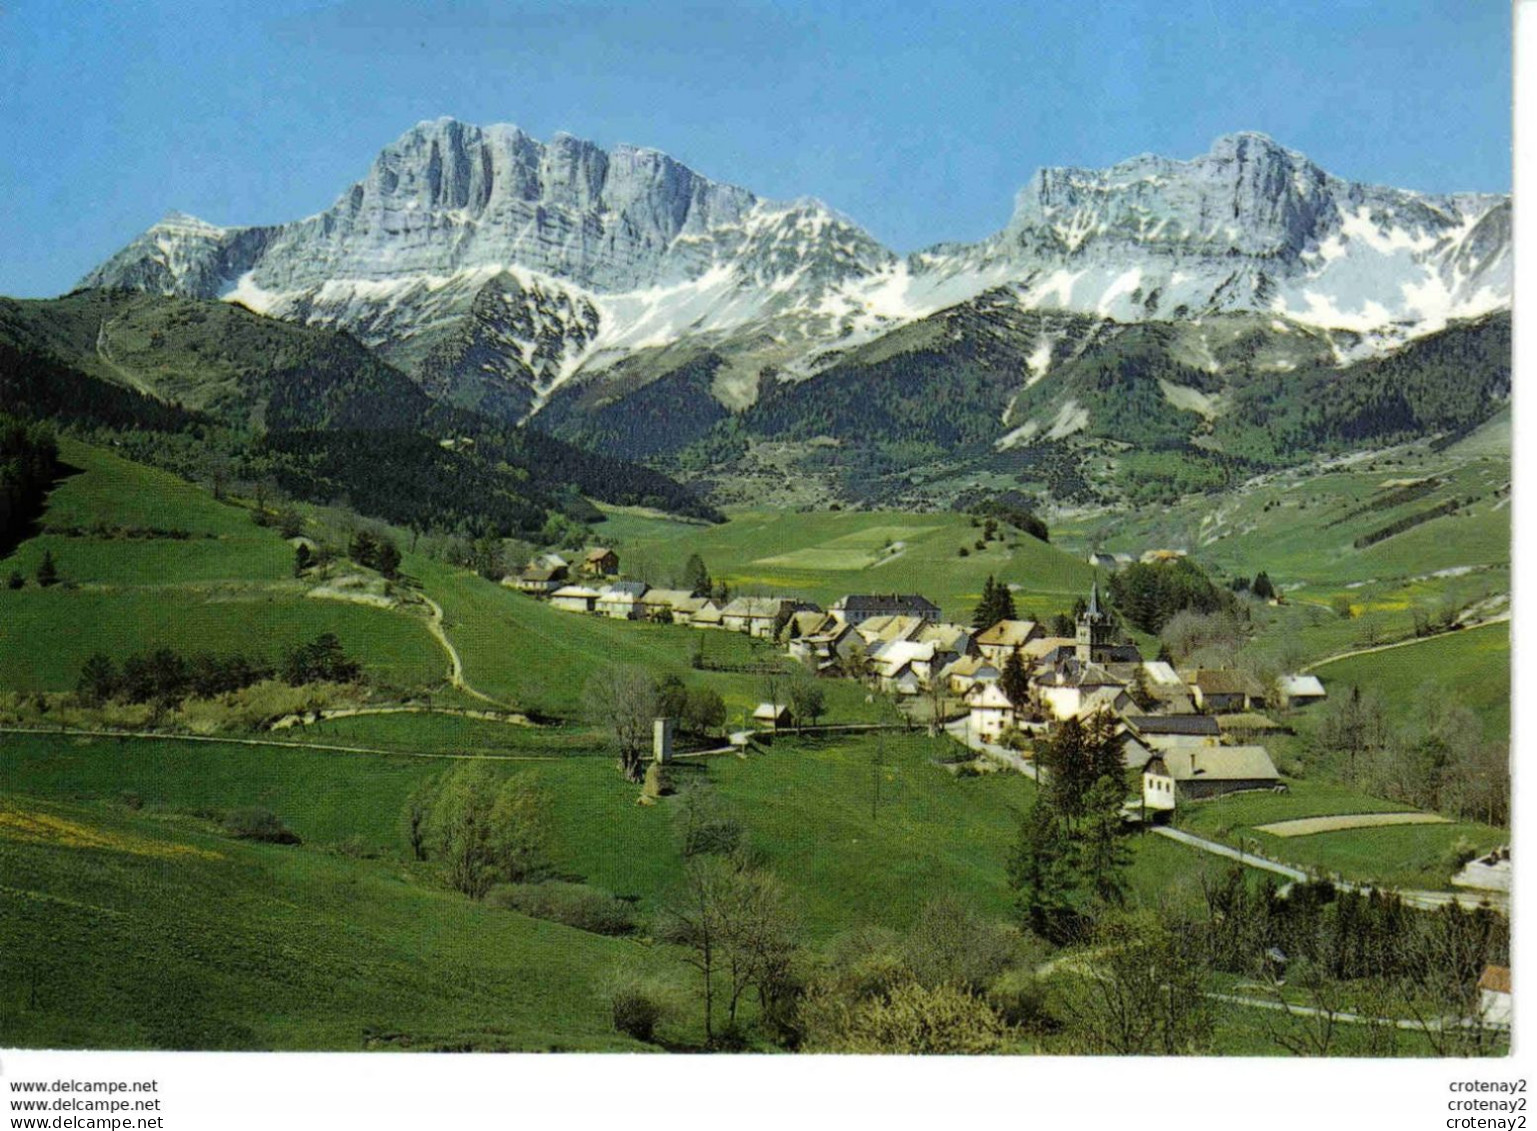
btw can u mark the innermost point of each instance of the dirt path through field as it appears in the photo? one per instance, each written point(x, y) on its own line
point(455, 664)
point(1316, 664)
point(104, 353)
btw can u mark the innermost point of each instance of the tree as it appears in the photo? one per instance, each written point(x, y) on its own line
point(47, 572)
point(483, 831)
point(997, 604)
point(322, 660)
point(737, 927)
point(951, 945)
point(807, 699)
point(1144, 991)
point(1262, 586)
point(15, 580)
point(623, 700)
point(1014, 681)
point(1064, 758)
point(1040, 870)
point(696, 577)
point(290, 524)
point(303, 559)
point(1353, 729)
point(1102, 851)
point(704, 711)
point(363, 548)
point(387, 559)
point(98, 679)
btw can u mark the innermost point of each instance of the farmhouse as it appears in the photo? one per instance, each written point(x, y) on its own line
point(601, 562)
point(621, 600)
point(539, 580)
point(903, 666)
point(574, 598)
point(834, 642)
point(759, 616)
point(1068, 692)
point(690, 607)
point(1218, 690)
point(1300, 690)
point(663, 604)
point(1174, 732)
point(887, 628)
point(969, 670)
point(990, 713)
point(1007, 637)
point(1196, 773)
point(855, 608)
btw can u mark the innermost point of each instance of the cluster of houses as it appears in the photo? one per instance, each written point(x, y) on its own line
point(1190, 734)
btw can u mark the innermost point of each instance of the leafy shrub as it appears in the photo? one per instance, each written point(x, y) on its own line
point(576, 905)
point(1019, 998)
point(260, 824)
point(635, 1012)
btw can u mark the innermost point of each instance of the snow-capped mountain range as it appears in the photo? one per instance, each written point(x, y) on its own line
point(497, 268)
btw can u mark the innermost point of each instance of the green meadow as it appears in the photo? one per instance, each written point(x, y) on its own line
point(1470, 668)
point(824, 555)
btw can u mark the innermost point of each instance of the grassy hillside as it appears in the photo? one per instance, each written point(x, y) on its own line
point(257, 946)
point(524, 652)
point(1471, 668)
point(128, 586)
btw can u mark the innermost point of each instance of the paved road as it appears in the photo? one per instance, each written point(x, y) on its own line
point(1343, 1018)
point(961, 732)
point(1426, 900)
point(1228, 851)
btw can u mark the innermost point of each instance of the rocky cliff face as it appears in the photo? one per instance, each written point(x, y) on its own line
point(498, 268)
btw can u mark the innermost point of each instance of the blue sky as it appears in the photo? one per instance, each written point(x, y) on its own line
point(919, 120)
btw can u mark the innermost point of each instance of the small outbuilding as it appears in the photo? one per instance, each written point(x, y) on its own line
point(772, 716)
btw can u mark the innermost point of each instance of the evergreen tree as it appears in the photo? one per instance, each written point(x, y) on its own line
point(1102, 751)
point(1040, 870)
point(997, 604)
point(983, 618)
point(1014, 682)
point(47, 572)
point(1102, 851)
point(303, 559)
point(98, 679)
point(696, 577)
point(1064, 758)
point(1262, 587)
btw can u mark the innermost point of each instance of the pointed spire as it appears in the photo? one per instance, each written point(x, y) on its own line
point(1093, 610)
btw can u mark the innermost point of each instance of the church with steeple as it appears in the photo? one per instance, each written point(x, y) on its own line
point(1095, 631)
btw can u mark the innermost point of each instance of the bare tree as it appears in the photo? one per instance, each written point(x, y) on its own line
point(1144, 989)
point(737, 927)
point(623, 700)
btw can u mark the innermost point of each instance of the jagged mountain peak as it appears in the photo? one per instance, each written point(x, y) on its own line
point(617, 251)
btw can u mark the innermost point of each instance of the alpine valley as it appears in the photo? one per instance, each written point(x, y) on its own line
point(1235, 312)
point(550, 600)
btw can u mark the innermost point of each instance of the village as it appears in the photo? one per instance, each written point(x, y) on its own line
point(1188, 735)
